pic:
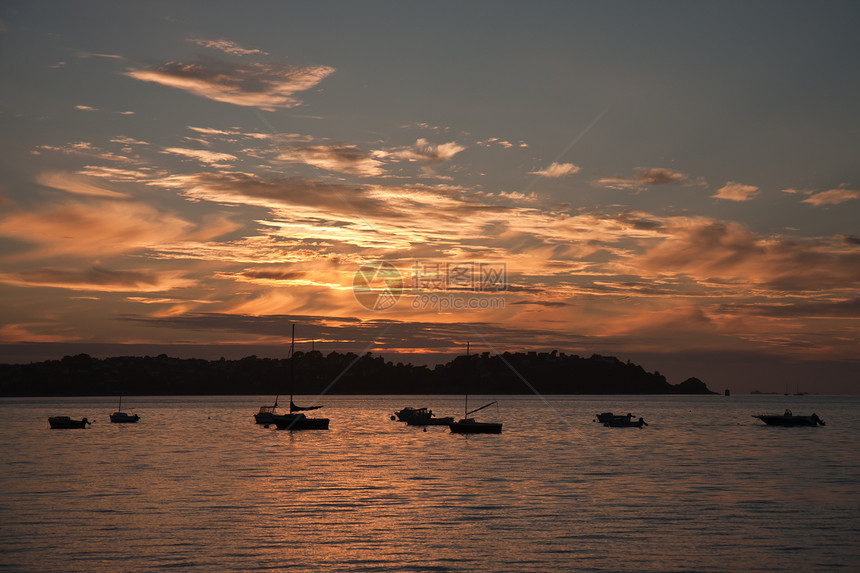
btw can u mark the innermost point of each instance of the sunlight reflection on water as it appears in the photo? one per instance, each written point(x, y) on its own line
point(197, 484)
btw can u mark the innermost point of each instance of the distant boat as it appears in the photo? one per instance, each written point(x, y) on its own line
point(422, 417)
point(120, 417)
point(624, 422)
point(607, 416)
point(65, 423)
point(266, 414)
point(406, 413)
point(469, 425)
point(295, 420)
point(789, 419)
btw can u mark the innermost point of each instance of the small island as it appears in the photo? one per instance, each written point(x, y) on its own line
point(509, 373)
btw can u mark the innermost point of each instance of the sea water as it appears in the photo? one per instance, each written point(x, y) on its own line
point(197, 485)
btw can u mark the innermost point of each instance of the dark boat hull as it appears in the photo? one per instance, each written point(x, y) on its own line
point(66, 423)
point(625, 423)
point(429, 421)
point(777, 420)
point(475, 428)
point(123, 418)
point(299, 422)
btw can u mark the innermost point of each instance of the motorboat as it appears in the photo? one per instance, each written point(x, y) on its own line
point(64, 423)
point(608, 416)
point(405, 414)
point(421, 417)
point(120, 417)
point(789, 419)
point(266, 414)
point(625, 422)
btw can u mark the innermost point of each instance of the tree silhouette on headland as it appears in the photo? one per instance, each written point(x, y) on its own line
point(547, 372)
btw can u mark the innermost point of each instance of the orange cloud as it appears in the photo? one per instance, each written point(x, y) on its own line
point(266, 86)
point(98, 278)
point(226, 46)
point(202, 155)
point(833, 196)
point(644, 177)
point(98, 228)
point(556, 170)
point(736, 192)
point(76, 184)
point(342, 158)
point(426, 151)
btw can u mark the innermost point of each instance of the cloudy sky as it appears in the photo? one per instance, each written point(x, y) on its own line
point(673, 183)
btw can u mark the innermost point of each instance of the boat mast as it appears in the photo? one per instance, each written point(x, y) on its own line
point(466, 404)
point(292, 365)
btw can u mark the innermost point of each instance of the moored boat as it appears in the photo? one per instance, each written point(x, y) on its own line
point(789, 419)
point(66, 423)
point(295, 420)
point(120, 417)
point(299, 422)
point(625, 422)
point(266, 414)
point(422, 417)
point(469, 425)
point(608, 416)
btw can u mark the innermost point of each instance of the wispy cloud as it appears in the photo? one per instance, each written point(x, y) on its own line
point(712, 251)
point(86, 108)
point(202, 155)
point(99, 278)
point(833, 196)
point(76, 184)
point(645, 177)
point(556, 170)
point(266, 86)
point(335, 157)
point(736, 192)
point(98, 228)
point(426, 151)
point(226, 46)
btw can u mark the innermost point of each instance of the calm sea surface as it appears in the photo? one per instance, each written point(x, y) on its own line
point(196, 484)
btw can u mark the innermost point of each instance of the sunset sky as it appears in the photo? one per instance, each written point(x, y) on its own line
point(672, 183)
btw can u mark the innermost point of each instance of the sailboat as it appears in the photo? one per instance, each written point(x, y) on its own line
point(120, 417)
point(296, 420)
point(469, 425)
